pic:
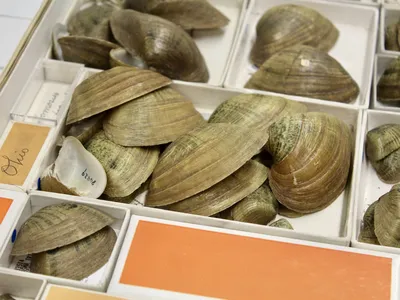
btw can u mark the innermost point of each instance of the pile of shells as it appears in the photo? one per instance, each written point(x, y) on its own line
point(388, 88)
point(291, 53)
point(250, 161)
point(66, 240)
point(148, 34)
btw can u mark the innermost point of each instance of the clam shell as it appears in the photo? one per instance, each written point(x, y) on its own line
point(382, 141)
point(75, 172)
point(78, 260)
point(367, 233)
point(388, 89)
point(86, 129)
point(260, 207)
point(388, 169)
point(153, 119)
point(392, 37)
point(305, 71)
point(111, 88)
point(225, 193)
point(282, 223)
point(288, 25)
point(188, 14)
point(200, 159)
point(308, 183)
point(59, 31)
point(127, 168)
point(58, 225)
point(165, 47)
point(6, 297)
point(121, 58)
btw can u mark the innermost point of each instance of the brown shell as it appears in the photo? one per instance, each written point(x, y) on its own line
point(388, 169)
point(282, 223)
point(225, 193)
point(288, 25)
point(188, 14)
point(382, 141)
point(58, 225)
point(305, 71)
point(200, 159)
point(111, 88)
point(367, 233)
point(122, 58)
point(78, 260)
point(308, 183)
point(86, 129)
point(51, 184)
point(392, 37)
point(165, 47)
point(153, 119)
point(388, 88)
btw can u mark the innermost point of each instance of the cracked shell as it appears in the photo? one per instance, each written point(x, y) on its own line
point(388, 88)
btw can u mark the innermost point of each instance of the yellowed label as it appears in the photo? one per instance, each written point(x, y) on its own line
point(61, 293)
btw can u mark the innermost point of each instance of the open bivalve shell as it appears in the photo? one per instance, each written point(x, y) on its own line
point(162, 45)
point(111, 88)
point(308, 183)
point(305, 71)
point(189, 14)
point(288, 25)
point(75, 172)
point(225, 193)
point(153, 119)
point(200, 159)
point(282, 223)
point(78, 260)
point(127, 168)
point(86, 129)
point(367, 233)
point(58, 225)
point(388, 88)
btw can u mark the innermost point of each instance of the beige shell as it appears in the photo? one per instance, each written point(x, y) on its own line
point(388, 88)
point(154, 119)
point(200, 159)
point(86, 129)
point(288, 25)
point(127, 168)
point(367, 233)
point(162, 45)
point(108, 89)
point(225, 193)
point(121, 58)
point(78, 260)
point(305, 71)
point(308, 183)
point(58, 225)
point(282, 223)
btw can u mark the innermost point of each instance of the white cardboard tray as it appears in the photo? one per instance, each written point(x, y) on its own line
point(355, 48)
point(97, 281)
point(21, 287)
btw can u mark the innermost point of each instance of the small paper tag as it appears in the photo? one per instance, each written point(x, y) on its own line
point(5, 205)
point(64, 293)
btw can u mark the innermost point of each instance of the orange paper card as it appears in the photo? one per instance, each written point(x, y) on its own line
point(5, 205)
point(60, 293)
point(19, 152)
point(227, 266)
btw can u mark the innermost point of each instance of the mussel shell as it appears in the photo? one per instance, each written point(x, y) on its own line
point(58, 225)
point(282, 223)
point(86, 129)
point(308, 183)
point(392, 37)
point(288, 25)
point(388, 88)
point(388, 168)
point(225, 193)
point(165, 47)
point(200, 159)
point(78, 260)
point(122, 58)
point(153, 119)
point(305, 71)
point(108, 89)
point(367, 233)
point(382, 141)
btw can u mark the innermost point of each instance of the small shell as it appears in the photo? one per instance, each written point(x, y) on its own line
point(108, 89)
point(58, 225)
point(305, 71)
point(59, 31)
point(75, 172)
point(200, 159)
point(388, 89)
point(392, 37)
point(225, 193)
point(86, 129)
point(382, 141)
point(367, 233)
point(78, 260)
point(282, 223)
point(388, 169)
point(153, 119)
point(122, 58)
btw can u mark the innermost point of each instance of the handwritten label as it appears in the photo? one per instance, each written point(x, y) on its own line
point(19, 152)
point(88, 177)
point(5, 205)
point(49, 105)
point(64, 293)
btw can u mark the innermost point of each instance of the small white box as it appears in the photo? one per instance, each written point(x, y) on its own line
point(21, 287)
point(97, 281)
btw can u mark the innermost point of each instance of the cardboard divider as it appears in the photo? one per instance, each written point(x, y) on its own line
point(354, 54)
point(97, 281)
point(21, 287)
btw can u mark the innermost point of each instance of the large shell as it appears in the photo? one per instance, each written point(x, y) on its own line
point(111, 88)
point(92, 52)
point(75, 172)
point(388, 89)
point(164, 46)
point(78, 260)
point(154, 119)
point(308, 183)
point(392, 38)
point(367, 233)
point(122, 58)
point(282, 223)
point(189, 14)
point(86, 129)
point(200, 159)
point(127, 168)
point(305, 71)
point(260, 207)
point(288, 25)
point(225, 193)
point(58, 225)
